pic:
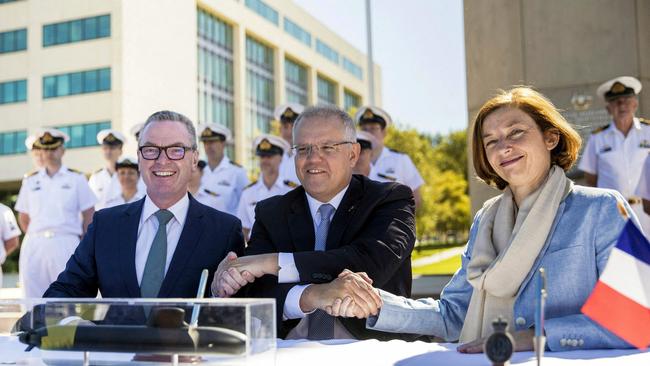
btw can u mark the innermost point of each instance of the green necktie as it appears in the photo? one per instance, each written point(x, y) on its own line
point(154, 269)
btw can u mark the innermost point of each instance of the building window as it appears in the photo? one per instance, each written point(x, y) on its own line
point(297, 32)
point(13, 91)
point(12, 41)
point(215, 73)
point(83, 135)
point(81, 82)
point(260, 92)
point(352, 68)
point(261, 8)
point(327, 51)
point(77, 30)
point(296, 82)
point(12, 142)
point(326, 91)
point(350, 100)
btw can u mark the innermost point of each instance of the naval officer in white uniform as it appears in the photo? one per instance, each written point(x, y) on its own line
point(388, 165)
point(128, 175)
point(615, 153)
point(287, 115)
point(270, 150)
point(104, 182)
point(9, 233)
point(55, 206)
point(224, 178)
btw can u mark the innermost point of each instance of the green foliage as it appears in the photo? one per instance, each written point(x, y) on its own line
point(442, 162)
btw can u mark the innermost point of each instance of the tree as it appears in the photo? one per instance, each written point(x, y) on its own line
point(442, 162)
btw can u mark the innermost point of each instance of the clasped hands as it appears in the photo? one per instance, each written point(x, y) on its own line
point(349, 295)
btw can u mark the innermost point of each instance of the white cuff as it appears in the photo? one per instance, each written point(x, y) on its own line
point(292, 303)
point(288, 272)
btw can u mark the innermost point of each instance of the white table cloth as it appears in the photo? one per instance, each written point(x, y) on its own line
point(344, 353)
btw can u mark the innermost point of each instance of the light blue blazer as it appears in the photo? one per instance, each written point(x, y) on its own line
point(585, 229)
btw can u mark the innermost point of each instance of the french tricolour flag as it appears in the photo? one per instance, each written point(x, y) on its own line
point(620, 301)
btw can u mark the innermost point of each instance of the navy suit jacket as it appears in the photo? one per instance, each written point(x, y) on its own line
point(105, 258)
point(372, 231)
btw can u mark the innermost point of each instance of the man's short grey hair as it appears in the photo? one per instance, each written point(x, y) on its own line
point(328, 112)
point(170, 116)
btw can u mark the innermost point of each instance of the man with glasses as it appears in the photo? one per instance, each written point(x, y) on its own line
point(157, 246)
point(302, 241)
point(614, 155)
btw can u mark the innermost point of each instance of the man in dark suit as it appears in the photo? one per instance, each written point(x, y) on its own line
point(303, 240)
point(157, 246)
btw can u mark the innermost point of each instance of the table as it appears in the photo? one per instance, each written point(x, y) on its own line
point(348, 352)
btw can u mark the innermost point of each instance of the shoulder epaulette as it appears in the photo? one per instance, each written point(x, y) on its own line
point(600, 129)
point(250, 184)
point(210, 192)
point(395, 151)
point(644, 121)
point(75, 171)
point(290, 183)
point(387, 177)
point(98, 170)
point(32, 173)
point(235, 164)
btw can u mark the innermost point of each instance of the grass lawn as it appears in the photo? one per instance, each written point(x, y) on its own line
point(447, 266)
point(425, 253)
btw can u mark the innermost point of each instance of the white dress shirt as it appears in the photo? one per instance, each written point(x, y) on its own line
point(55, 203)
point(393, 166)
point(255, 193)
point(147, 231)
point(288, 168)
point(618, 160)
point(224, 185)
point(288, 272)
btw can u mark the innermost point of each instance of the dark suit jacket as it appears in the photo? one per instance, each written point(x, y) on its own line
point(105, 258)
point(372, 231)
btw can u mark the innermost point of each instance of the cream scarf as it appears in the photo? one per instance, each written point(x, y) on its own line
point(507, 245)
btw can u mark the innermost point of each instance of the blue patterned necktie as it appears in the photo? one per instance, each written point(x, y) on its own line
point(154, 268)
point(321, 325)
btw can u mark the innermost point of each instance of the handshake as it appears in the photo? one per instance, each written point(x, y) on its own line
point(349, 295)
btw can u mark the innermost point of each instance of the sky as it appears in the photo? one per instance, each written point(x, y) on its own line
point(420, 47)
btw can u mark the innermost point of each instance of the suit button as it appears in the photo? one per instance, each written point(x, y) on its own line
point(574, 342)
point(520, 321)
point(563, 342)
point(581, 342)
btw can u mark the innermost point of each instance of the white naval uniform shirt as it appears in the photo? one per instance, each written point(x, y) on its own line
point(392, 166)
point(8, 230)
point(147, 231)
point(105, 186)
point(617, 160)
point(643, 188)
point(55, 203)
point(226, 181)
point(119, 200)
point(255, 193)
point(288, 168)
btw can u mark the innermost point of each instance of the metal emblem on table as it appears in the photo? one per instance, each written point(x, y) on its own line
point(500, 345)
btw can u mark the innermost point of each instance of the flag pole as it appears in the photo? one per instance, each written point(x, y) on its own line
point(371, 69)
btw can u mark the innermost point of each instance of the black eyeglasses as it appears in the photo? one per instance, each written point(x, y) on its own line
point(172, 152)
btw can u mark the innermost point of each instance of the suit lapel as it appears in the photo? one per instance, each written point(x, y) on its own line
point(187, 243)
point(344, 214)
point(301, 225)
point(129, 234)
